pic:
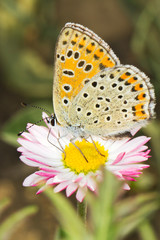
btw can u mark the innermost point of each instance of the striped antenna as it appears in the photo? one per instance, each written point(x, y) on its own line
point(34, 106)
point(51, 119)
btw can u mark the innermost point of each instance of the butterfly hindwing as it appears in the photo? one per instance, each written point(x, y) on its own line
point(115, 101)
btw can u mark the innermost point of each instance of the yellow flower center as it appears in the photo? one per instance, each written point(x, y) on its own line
point(74, 159)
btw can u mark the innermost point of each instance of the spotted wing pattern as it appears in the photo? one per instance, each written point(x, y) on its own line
point(80, 55)
point(115, 101)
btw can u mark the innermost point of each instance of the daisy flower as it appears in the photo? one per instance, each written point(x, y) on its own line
point(77, 167)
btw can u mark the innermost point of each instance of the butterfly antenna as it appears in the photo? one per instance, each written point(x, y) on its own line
point(20, 133)
point(34, 106)
point(51, 119)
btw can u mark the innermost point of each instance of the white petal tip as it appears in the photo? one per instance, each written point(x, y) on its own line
point(126, 187)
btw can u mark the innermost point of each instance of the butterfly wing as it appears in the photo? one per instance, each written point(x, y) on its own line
point(115, 101)
point(80, 54)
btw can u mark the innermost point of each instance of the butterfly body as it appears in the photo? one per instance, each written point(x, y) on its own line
point(93, 94)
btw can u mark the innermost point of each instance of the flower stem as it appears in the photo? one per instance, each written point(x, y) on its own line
point(82, 210)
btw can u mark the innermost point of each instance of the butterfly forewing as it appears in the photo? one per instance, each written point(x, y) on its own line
point(80, 55)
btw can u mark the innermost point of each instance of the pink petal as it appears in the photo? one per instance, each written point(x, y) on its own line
point(32, 180)
point(42, 189)
point(83, 182)
point(49, 169)
point(44, 160)
point(45, 174)
point(31, 162)
point(126, 187)
point(79, 178)
point(81, 193)
point(38, 148)
point(91, 184)
point(119, 158)
point(133, 159)
point(60, 187)
point(134, 144)
point(63, 177)
point(135, 130)
point(117, 145)
point(71, 189)
point(28, 136)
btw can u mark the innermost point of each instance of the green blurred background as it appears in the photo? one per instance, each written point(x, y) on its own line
point(28, 33)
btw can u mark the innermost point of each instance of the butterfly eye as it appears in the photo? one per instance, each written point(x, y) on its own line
point(53, 122)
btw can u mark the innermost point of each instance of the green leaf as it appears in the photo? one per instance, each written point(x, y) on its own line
point(102, 208)
point(4, 203)
point(29, 74)
point(9, 225)
point(18, 122)
point(67, 216)
point(153, 130)
point(146, 231)
point(129, 205)
point(129, 223)
point(60, 234)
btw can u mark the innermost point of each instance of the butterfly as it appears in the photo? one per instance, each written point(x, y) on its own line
point(93, 93)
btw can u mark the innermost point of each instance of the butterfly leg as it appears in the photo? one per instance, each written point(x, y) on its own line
point(96, 147)
point(72, 141)
point(61, 148)
point(58, 139)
